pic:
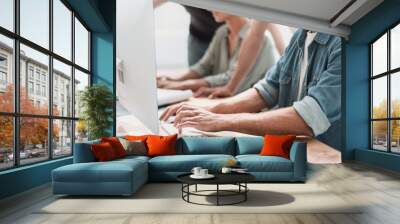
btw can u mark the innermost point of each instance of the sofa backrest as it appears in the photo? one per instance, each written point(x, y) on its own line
point(206, 145)
point(191, 146)
point(83, 152)
point(249, 145)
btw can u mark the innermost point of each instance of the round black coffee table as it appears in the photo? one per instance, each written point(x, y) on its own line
point(238, 179)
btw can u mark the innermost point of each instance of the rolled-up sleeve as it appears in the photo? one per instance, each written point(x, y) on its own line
point(268, 87)
point(312, 114)
point(322, 105)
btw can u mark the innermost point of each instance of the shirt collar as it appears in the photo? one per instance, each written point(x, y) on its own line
point(320, 38)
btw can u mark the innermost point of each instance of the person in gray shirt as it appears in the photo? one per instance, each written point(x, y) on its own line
point(216, 67)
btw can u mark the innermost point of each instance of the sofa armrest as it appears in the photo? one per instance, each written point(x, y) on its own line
point(83, 152)
point(298, 155)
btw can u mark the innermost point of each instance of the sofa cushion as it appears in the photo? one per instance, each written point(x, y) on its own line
point(206, 145)
point(136, 147)
point(83, 152)
point(161, 145)
point(277, 145)
point(257, 163)
point(185, 163)
point(116, 145)
point(112, 171)
point(249, 145)
point(103, 152)
point(131, 159)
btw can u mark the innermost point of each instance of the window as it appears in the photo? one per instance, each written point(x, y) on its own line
point(81, 81)
point(35, 21)
point(3, 72)
point(3, 61)
point(81, 45)
point(61, 75)
point(3, 78)
point(6, 142)
point(62, 29)
point(33, 147)
point(44, 91)
point(30, 88)
point(37, 74)
point(37, 89)
point(30, 72)
point(6, 73)
point(385, 91)
point(7, 14)
point(62, 137)
point(46, 74)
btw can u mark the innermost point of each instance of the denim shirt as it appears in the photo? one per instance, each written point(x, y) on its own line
point(320, 99)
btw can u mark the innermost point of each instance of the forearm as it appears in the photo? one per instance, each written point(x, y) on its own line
point(277, 122)
point(247, 102)
point(186, 76)
point(248, 53)
point(277, 37)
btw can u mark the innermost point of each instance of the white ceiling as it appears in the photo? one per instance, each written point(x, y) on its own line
point(320, 9)
point(317, 15)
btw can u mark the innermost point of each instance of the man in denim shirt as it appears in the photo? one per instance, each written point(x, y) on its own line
point(287, 106)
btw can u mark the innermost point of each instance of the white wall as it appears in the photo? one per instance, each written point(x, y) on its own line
point(136, 48)
point(171, 33)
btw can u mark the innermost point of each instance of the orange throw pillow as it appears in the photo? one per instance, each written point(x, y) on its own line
point(277, 145)
point(136, 138)
point(103, 152)
point(161, 145)
point(116, 145)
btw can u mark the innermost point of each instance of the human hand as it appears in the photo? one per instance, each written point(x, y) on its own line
point(203, 92)
point(171, 84)
point(221, 92)
point(199, 118)
point(172, 110)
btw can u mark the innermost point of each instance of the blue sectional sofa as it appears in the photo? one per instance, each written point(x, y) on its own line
point(125, 176)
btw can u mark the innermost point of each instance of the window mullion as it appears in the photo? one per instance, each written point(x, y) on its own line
point(50, 81)
point(73, 82)
point(16, 84)
point(371, 89)
point(389, 104)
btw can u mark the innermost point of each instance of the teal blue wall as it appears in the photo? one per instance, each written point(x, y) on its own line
point(103, 64)
point(104, 52)
point(24, 178)
point(357, 85)
point(99, 16)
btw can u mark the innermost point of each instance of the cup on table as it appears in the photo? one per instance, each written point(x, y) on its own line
point(226, 170)
point(203, 172)
point(196, 171)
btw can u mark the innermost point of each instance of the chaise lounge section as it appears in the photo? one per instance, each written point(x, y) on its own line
point(125, 176)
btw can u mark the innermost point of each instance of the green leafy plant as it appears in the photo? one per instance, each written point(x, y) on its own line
point(96, 103)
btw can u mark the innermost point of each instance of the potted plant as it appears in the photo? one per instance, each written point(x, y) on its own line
point(96, 104)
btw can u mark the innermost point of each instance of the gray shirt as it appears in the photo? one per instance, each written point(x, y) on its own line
point(217, 68)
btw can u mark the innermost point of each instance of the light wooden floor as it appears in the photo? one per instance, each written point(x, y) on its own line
point(379, 189)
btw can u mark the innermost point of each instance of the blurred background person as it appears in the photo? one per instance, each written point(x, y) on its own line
point(201, 19)
point(218, 64)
